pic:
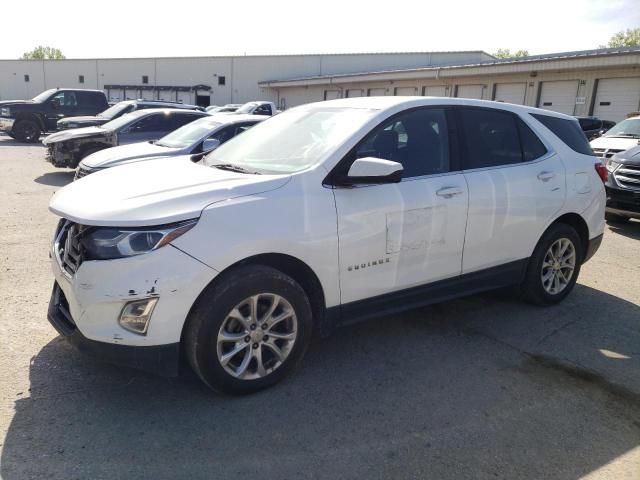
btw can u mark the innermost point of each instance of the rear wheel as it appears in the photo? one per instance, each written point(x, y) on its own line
point(554, 266)
point(249, 330)
point(613, 218)
point(27, 131)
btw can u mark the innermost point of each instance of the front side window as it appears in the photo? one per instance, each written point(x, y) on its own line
point(188, 134)
point(417, 139)
point(263, 110)
point(64, 99)
point(491, 138)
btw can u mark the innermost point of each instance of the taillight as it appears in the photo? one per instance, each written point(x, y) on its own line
point(602, 171)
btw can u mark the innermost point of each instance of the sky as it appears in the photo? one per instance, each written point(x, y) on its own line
point(142, 28)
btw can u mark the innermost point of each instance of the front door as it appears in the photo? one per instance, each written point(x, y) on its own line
point(60, 105)
point(397, 236)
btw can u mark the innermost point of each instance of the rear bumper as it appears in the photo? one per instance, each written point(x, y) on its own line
point(623, 202)
point(159, 359)
point(592, 248)
point(6, 124)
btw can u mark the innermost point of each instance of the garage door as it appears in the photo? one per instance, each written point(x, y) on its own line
point(616, 97)
point(377, 92)
point(167, 95)
point(131, 93)
point(470, 91)
point(559, 96)
point(404, 91)
point(511, 92)
point(332, 94)
point(186, 97)
point(435, 91)
point(357, 92)
point(148, 95)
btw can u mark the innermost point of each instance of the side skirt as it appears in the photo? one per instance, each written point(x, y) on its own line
point(390, 303)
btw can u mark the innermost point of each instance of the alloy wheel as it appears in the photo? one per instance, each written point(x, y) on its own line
point(558, 266)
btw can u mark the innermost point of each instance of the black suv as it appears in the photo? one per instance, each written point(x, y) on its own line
point(593, 127)
point(119, 109)
point(623, 186)
point(26, 120)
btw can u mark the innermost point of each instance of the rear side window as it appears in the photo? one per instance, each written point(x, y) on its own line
point(532, 147)
point(492, 138)
point(568, 131)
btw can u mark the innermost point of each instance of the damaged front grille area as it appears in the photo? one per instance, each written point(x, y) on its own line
point(68, 246)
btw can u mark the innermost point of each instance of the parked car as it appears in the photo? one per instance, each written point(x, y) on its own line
point(327, 213)
point(26, 120)
point(118, 110)
point(200, 136)
point(65, 149)
point(623, 186)
point(258, 108)
point(593, 127)
point(621, 137)
point(228, 108)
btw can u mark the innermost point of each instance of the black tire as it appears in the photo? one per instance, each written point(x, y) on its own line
point(211, 310)
point(614, 218)
point(532, 289)
point(27, 131)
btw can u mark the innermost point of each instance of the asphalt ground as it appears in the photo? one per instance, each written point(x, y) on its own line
point(482, 387)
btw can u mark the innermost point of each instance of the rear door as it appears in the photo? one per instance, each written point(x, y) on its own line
point(396, 236)
point(516, 185)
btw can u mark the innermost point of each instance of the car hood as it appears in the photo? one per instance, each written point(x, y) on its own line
point(154, 193)
point(628, 157)
point(615, 143)
point(74, 133)
point(85, 119)
point(110, 157)
point(6, 103)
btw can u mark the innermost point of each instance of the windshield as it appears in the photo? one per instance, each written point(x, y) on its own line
point(115, 110)
point(120, 121)
point(627, 128)
point(189, 133)
point(44, 95)
point(247, 108)
point(291, 141)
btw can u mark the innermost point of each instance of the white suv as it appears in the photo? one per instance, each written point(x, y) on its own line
point(325, 214)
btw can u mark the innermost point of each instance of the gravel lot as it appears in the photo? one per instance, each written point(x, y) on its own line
point(484, 387)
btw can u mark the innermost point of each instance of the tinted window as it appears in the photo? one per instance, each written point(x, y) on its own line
point(491, 137)
point(263, 110)
point(417, 139)
point(90, 98)
point(589, 123)
point(532, 147)
point(180, 119)
point(153, 123)
point(568, 131)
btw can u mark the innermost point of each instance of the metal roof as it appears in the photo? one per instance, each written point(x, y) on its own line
point(599, 52)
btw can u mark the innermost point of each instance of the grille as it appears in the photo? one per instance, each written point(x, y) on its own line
point(628, 176)
point(605, 152)
point(82, 172)
point(68, 246)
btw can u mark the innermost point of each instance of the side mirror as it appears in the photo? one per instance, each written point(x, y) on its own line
point(371, 170)
point(210, 144)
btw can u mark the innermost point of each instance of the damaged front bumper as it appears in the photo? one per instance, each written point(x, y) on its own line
point(86, 306)
point(59, 156)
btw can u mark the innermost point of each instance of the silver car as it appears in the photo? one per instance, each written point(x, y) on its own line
point(200, 136)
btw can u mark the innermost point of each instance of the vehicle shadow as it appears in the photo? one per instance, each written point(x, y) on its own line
point(630, 229)
point(427, 394)
point(7, 141)
point(56, 179)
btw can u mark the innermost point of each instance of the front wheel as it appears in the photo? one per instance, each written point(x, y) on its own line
point(554, 266)
point(27, 131)
point(249, 330)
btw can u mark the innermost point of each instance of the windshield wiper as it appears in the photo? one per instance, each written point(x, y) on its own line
point(233, 168)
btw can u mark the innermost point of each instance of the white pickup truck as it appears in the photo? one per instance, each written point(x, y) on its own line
point(258, 108)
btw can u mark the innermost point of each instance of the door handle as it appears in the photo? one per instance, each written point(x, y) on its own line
point(546, 176)
point(448, 192)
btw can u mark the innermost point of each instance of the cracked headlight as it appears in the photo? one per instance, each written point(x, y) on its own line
point(106, 243)
point(612, 165)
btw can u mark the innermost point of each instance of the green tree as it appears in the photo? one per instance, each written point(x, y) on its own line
point(506, 53)
point(626, 38)
point(43, 53)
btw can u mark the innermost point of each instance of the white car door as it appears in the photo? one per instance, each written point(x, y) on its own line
point(401, 235)
point(516, 185)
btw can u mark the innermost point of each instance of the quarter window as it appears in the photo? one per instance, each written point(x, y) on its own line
point(417, 139)
point(568, 131)
point(491, 138)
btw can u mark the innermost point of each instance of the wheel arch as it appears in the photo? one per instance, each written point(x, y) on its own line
point(579, 224)
point(21, 116)
point(289, 265)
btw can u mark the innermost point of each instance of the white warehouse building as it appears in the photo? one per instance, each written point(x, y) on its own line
point(602, 82)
